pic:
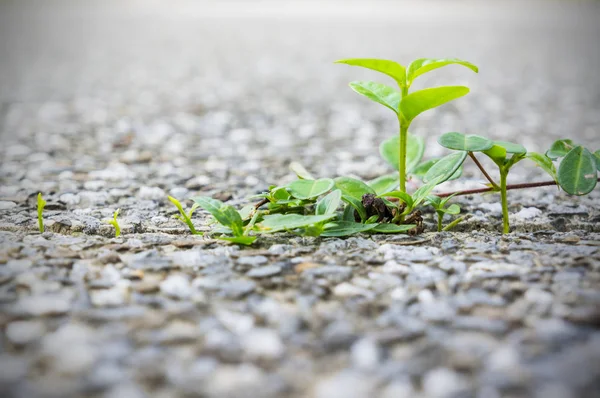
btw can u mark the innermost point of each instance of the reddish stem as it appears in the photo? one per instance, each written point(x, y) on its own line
point(508, 188)
point(472, 156)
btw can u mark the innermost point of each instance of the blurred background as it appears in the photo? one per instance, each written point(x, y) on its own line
point(210, 84)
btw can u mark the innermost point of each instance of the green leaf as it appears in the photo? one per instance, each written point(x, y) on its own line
point(308, 189)
point(544, 162)
point(497, 153)
point(353, 187)
point(420, 101)
point(511, 147)
point(577, 172)
point(379, 93)
point(560, 148)
point(452, 209)
point(242, 240)
point(357, 205)
point(446, 167)
point(424, 190)
point(283, 222)
point(597, 156)
point(329, 203)
point(403, 196)
point(300, 171)
point(345, 228)
point(434, 201)
point(348, 214)
point(421, 170)
point(185, 217)
point(223, 213)
point(462, 142)
point(390, 68)
point(387, 228)
point(41, 203)
point(424, 65)
point(384, 183)
point(390, 152)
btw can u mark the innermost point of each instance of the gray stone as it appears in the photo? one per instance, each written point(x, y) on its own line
point(264, 272)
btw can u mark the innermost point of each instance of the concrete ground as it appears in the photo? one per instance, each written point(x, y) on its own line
point(107, 105)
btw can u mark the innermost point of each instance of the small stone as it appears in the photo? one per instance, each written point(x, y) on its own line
point(252, 261)
point(527, 213)
point(346, 384)
point(237, 289)
point(7, 205)
point(176, 286)
point(39, 305)
point(443, 382)
point(264, 272)
point(365, 354)
point(113, 297)
point(151, 193)
point(262, 343)
point(24, 332)
point(346, 289)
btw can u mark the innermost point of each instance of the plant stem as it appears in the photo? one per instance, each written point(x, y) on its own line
point(402, 156)
point(505, 226)
point(472, 155)
point(440, 217)
point(509, 187)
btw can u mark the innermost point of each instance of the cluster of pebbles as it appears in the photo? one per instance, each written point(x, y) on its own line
point(105, 107)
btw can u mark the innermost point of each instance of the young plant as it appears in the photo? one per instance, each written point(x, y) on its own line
point(406, 106)
point(183, 216)
point(115, 223)
point(229, 218)
point(41, 203)
point(439, 205)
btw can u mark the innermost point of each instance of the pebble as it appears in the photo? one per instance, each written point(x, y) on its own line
point(365, 354)
point(261, 343)
point(7, 205)
point(346, 384)
point(151, 193)
point(252, 261)
point(25, 332)
point(443, 382)
point(237, 289)
point(176, 286)
point(264, 272)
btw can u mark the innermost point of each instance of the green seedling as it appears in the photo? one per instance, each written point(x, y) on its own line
point(183, 216)
point(407, 106)
point(439, 205)
point(115, 223)
point(229, 218)
point(41, 203)
point(578, 170)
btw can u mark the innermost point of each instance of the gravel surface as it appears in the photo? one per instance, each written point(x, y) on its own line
point(107, 105)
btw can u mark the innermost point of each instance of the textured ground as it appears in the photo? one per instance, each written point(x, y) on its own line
point(107, 106)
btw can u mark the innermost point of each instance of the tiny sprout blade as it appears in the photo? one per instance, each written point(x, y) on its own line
point(379, 93)
point(418, 102)
point(223, 213)
point(390, 68)
point(41, 203)
point(577, 172)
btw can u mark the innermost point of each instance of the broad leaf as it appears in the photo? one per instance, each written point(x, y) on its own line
point(446, 167)
point(421, 170)
point(283, 222)
point(308, 189)
point(462, 142)
point(379, 93)
point(511, 147)
point(453, 209)
point(223, 213)
point(242, 240)
point(498, 154)
point(544, 162)
point(403, 196)
point(345, 228)
point(352, 187)
point(577, 172)
point(392, 228)
point(560, 148)
point(424, 65)
point(357, 205)
point(329, 203)
point(597, 156)
point(420, 101)
point(348, 214)
point(390, 68)
point(421, 194)
point(390, 151)
point(300, 171)
point(384, 183)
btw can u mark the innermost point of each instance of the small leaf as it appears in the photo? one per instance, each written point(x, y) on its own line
point(421, 194)
point(597, 156)
point(387, 228)
point(345, 228)
point(403, 196)
point(348, 214)
point(462, 142)
point(329, 203)
point(309, 189)
point(577, 172)
point(498, 154)
point(300, 171)
point(420, 101)
point(242, 240)
point(560, 148)
point(223, 213)
point(353, 187)
point(544, 162)
point(357, 205)
point(421, 170)
point(452, 209)
point(446, 167)
point(390, 151)
point(379, 93)
point(424, 65)
point(390, 68)
point(283, 222)
point(434, 201)
point(511, 147)
point(384, 183)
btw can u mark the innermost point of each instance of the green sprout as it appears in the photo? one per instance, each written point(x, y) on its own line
point(406, 106)
point(183, 216)
point(115, 223)
point(439, 205)
point(40, 210)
